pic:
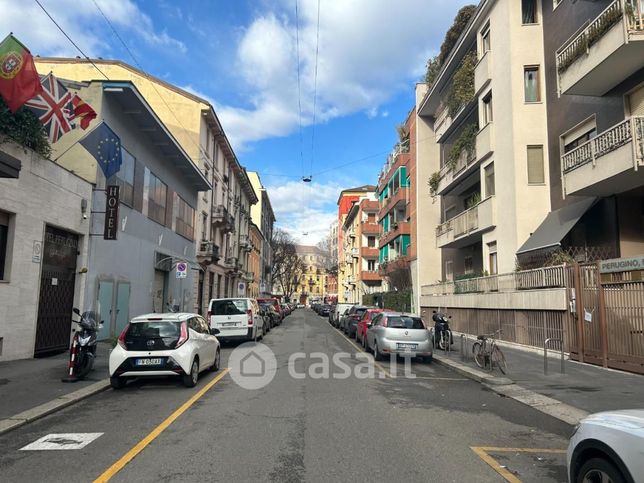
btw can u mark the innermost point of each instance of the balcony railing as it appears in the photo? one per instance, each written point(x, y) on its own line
point(606, 142)
point(477, 218)
point(221, 217)
point(245, 243)
point(208, 251)
point(355, 253)
point(540, 278)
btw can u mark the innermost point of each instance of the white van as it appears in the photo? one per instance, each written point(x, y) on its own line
point(236, 318)
point(338, 312)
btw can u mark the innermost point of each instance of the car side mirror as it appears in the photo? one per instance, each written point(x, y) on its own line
point(214, 331)
point(76, 311)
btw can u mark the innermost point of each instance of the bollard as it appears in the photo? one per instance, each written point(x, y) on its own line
point(463, 347)
point(545, 355)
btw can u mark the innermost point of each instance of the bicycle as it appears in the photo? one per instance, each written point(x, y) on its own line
point(486, 348)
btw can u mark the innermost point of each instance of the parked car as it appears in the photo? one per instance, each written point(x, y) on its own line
point(608, 446)
point(174, 344)
point(365, 322)
point(351, 318)
point(338, 312)
point(331, 312)
point(236, 318)
point(398, 333)
point(275, 303)
point(324, 310)
point(286, 309)
point(271, 314)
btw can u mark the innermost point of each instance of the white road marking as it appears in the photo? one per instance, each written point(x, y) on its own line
point(62, 441)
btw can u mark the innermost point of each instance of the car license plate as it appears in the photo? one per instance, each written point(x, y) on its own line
point(154, 361)
point(228, 324)
point(407, 347)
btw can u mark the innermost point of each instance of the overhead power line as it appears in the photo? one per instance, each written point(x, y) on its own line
point(299, 88)
point(315, 86)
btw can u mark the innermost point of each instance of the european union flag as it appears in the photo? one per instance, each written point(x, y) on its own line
point(105, 146)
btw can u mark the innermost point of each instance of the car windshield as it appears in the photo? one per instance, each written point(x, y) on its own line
point(404, 322)
point(229, 307)
point(153, 329)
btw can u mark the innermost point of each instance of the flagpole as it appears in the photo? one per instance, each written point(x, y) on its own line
point(76, 142)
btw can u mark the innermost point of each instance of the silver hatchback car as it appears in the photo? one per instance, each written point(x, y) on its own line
point(399, 333)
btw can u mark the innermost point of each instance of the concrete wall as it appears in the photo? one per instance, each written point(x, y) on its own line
point(547, 299)
point(41, 184)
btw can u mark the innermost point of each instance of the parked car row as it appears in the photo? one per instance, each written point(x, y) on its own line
point(383, 331)
point(185, 344)
point(321, 309)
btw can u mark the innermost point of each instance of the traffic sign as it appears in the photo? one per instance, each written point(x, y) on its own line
point(182, 270)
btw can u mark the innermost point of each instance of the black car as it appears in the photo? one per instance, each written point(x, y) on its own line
point(324, 310)
point(274, 319)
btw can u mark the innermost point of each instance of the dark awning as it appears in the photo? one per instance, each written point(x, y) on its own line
point(556, 226)
point(9, 166)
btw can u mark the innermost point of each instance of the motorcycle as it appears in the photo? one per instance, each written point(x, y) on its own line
point(442, 333)
point(83, 348)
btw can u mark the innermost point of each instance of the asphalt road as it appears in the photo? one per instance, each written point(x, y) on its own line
point(302, 428)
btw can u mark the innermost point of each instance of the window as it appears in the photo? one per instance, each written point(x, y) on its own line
point(184, 218)
point(576, 142)
point(485, 39)
point(371, 218)
point(204, 226)
point(371, 241)
point(493, 260)
point(531, 84)
point(449, 271)
point(156, 192)
point(536, 173)
point(468, 264)
point(490, 189)
point(528, 11)
point(4, 242)
point(371, 265)
point(125, 178)
point(487, 109)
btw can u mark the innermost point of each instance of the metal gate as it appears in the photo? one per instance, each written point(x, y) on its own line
point(56, 291)
point(610, 319)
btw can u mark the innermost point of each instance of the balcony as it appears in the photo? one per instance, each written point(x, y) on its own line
point(391, 265)
point(355, 253)
point(248, 276)
point(485, 142)
point(369, 205)
point(397, 229)
point(370, 276)
point(230, 263)
point(399, 157)
point(452, 174)
point(467, 227)
point(369, 252)
point(399, 197)
point(605, 53)
point(483, 72)
point(245, 243)
point(612, 162)
point(222, 218)
point(370, 228)
point(208, 252)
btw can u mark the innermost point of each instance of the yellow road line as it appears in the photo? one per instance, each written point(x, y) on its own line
point(141, 445)
point(482, 452)
point(495, 466)
point(360, 349)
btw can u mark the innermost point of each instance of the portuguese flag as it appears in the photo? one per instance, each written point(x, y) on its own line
point(19, 80)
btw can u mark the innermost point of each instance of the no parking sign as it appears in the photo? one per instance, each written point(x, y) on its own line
point(182, 270)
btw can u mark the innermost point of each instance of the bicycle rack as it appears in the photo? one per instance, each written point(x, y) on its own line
point(545, 355)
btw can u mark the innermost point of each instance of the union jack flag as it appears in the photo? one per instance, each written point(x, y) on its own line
point(54, 108)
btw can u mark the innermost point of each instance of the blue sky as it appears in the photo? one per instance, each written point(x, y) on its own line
point(242, 55)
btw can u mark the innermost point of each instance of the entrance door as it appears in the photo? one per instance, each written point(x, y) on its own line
point(158, 291)
point(105, 298)
point(53, 327)
point(122, 306)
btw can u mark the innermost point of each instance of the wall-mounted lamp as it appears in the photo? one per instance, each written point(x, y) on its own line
point(84, 208)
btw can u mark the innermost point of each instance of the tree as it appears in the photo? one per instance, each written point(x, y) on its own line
point(24, 128)
point(287, 266)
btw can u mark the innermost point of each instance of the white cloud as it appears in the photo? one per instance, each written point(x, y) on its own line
point(82, 21)
point(369, 50)
point(305, 211)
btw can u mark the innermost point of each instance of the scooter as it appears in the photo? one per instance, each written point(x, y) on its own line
point(442, 333)
point(83, 349)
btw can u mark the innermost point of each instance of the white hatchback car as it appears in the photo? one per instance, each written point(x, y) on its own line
point(608, 447)
point(174, 344)
point(236, 318)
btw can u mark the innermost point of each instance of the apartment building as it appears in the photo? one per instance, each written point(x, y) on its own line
point(345, 202)
point(222, 213)
point(594, 65)
point(255, 261)
point(311, 285)
point(263, 217)
point(360, 250)
point(487, 112)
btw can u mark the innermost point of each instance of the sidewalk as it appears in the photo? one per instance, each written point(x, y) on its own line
point(583, 386)
point(28, 383)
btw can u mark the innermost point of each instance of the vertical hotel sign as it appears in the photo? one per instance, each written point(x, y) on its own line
point(111, 212)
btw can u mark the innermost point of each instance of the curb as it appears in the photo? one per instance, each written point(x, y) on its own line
point(52, 406)
point(507, 388)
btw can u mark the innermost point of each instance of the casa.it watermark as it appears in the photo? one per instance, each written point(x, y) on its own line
point(253, 366)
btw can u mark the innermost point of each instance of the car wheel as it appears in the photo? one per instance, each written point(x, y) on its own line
point(190, 380)
point(599, 470)
point(217, 363)
point(117, 382)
